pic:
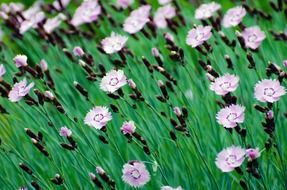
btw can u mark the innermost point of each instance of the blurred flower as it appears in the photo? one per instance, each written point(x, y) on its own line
point(64, 3)
point(225, 84)
point(253, 36)
point(207, 10)
point(177, 111)
point(171, 188)
point(113, 80)
point(230, 116)
point(131, 83)
point(234, 16)
point(53, 23)
point(114, 43)
point(198, 35)
point(285, 63)
point(49, 95)
point(87, 12)
point(16, 7)
point(169, 36)
point(155, 52)
point(78, 51)
point(128, 127)
point(124, 3)
point(252, 153)
point(23, 188)
point(270, 114)
point(2, 71)
point(163, 2)
point(65, 132)
point(98, 117)
point(19, 90)
point(44, 65)
point(268, 90)
point(163, 13)
point(135, 174)
point(3, 15)
point(20, 60)
point(31, 22)
point(230, 158)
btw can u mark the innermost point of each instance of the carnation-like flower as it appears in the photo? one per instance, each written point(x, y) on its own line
point(252, 153)
point(114, 43)
point(65, 132)
point(53, 23)
point(269, 90)
point(253, 36)
point(87, 12)
point(19, 90)
point(230, 158)
point(171, 188)
point(163, 13)
point(135, 174)
point(98, 117)
point(198, 35)
point(207, 10)
point(20, 60)
point(2, 71)
point(230, 116)
point(225, 84)
point(113, 80)
point(128, 127)
point(234, 16)
point(124, 3)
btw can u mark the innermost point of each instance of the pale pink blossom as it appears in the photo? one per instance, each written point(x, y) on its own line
point(207, 10)
point(197, 36)
point(171, 188)
point(2, 71)
point(57, 5)
point(124, 3)
point(252, 153)
point(135, 174)
point(225, 84)
point(16, 7)
point(162, 14)
point(20, 60)
point(113, 81)
point(78, 51)
point(131, 83)
point(98, 117)
point(285, 63)
point(233, 16)
point(269, 90)
point(177, 111)
point(5, 7)
point(155, 52)
point(169, 36)
point(270, 114)
point(31, 22)
point(44, 65)
point(231, 116)
point(19, 90)
point(253, 36)
point(65, 132)
point(114, 43)
point(230, 158)
point(53, 23)
point(49, 95)
point(128, 127)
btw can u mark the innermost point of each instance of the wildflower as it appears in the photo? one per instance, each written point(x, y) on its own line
point(44, 65)
point(198, 35)
point(78, 51)
point(177, 111)
point(135, 174)
point(253, 36)
point(2, 71)
point(171, 188)
point(114, 43)
point(113, 80)
point(164, 2)
point(269, 90)
point(270, 114)
point(162, 14)
point(20, 61)
point(230, 158)
point(285, 63)
point(65, 132)
point(31, 22)
point(98, 117)
point(49, 95)
point(225, 84)
point(207, 10)
point(124, 3)
point(128, 128)
point(230, 116)
point(53, 23)
point(19, 90)
point(234, 16)
point(169, 36)
point(252, 153)
point(131, 83)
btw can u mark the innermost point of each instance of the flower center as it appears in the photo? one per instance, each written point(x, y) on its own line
point(225, 85)
point(114, 81)
point(136, 174)
point(269, 92)
point(231, 117)
point(199, 36)
point(252, 38)
point(98, 117)
point(231, 159)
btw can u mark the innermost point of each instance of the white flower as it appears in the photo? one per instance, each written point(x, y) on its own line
point(113, 80)
point(114, 43)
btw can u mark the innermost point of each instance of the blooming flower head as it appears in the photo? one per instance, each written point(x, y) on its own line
point(128, 127)
point(198, 35)
point(113, 80)
point(163, 13)
point(253, 36)
point(31, 22)
point(230, 158)
point(114, 43)
point(230, 116)
point(65, 132)
point(234, 16)
point(225, 84)
point(124, 3)
point(87, 12)
point(20, 60)
point(53, 23)
point(19, 90)
point(2, 71)
point(171, 188)
point(135, 174)
point(98, 117)
point(163, 2)
point(252, 153)
point(207, 10)
point(269, 90)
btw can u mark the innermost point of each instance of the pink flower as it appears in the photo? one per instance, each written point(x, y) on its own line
point(78, 51)
point(131, 83)
point(87, 12)
point(230, 158)
point(234, 16)
point(44, 65)
point(53, 23)
point(252, 153)
point(171, 188)
point(19, 90)
point(163, 2)
point(113, 80)
point(49, 95)
point(114, 43)
point(225, 84)
point(169, 36)
point(98, 117)
point(198, 35)
point(57, 6)
point(31, 22)
point(285, 63)
point(2, 71)
point(270, 114)
point(20, 60)
point(269, 90)
point(124, 3)
point(155, 52)
point(163, 13)
point(207, 10)
point(253, 36)
point(230, 116)
point(177, 111)
point(128, 127)
point(65, 132)
point(135, 174)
